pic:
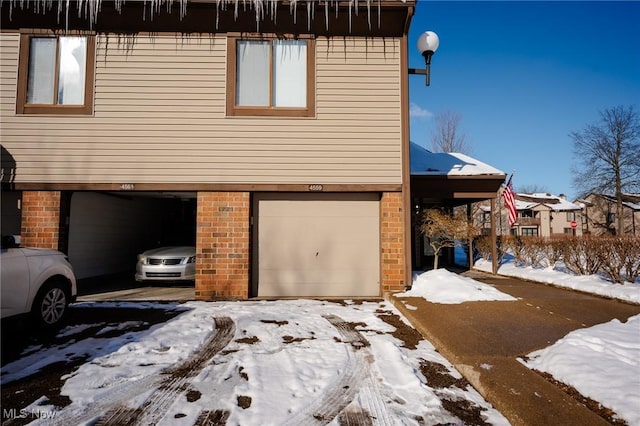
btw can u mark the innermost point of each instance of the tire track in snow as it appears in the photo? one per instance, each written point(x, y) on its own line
point(176, 379)
point(170, 381)
point(344, 391)
point(354, 415)
point(212, 418)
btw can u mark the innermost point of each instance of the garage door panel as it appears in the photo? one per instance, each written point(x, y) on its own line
point(292, 242)
point(315, 284)
point(318, 245)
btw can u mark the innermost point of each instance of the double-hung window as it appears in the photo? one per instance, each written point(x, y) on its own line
point(271, 77)
point(56, 74)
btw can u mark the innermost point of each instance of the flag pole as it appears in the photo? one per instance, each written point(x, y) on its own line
point(494, 248)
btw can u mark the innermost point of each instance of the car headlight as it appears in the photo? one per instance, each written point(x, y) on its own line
point(192, 259)
point(142, 258)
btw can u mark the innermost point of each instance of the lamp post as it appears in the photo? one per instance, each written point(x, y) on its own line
point(428, 43)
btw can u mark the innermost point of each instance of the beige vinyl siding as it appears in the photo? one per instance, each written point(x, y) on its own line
point(9, 47)
point(159, 117)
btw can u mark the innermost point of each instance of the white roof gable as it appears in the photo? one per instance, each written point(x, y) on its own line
point(425, 162)
point(554, 202)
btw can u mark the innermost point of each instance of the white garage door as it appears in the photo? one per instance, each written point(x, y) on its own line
point(317, 245)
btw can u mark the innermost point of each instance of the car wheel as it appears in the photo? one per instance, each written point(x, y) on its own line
point(51, 304)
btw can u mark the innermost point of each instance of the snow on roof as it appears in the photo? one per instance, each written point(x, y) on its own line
point(425, 163)
point(631, 201)
point(525, 205)
point(554, 202)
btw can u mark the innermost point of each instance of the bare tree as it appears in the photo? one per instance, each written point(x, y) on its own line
point(608, 155)
point(532, 189)
point(446, 230)
point(447, 136)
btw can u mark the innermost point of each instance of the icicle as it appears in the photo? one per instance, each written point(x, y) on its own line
point(274, 11)
point(257, 5)
point(369, 13)
point(379, 13)
point(183, 9)
point(294, 3)
point(217, 14)
point(309, 9)
point(326, 15)
point(350, 4)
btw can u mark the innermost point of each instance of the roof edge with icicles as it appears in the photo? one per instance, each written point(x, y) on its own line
point(264, 9)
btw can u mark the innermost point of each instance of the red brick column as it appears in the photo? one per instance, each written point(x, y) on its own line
point(392, 242)
point(40, 219)
point(222, 245)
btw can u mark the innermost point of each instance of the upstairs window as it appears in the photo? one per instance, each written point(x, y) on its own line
point(526, 213)
point(56, 74)
point(272, 77)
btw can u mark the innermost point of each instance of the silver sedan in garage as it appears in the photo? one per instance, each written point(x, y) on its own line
point(167, 264)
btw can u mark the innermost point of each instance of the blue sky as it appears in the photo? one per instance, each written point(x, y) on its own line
point(523, 75)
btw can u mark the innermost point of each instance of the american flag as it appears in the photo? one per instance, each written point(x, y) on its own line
point(510, 202)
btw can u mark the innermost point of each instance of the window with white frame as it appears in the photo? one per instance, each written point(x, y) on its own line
point(55, 74)
point(271, 77)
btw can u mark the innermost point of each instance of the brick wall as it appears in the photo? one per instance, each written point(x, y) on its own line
point(392, 242)
point(40, 219)
point(222, 245)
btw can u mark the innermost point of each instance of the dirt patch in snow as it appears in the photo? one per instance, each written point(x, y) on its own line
point(244, 401)
point(604, 412)
point(438, 376)
point(408, 335)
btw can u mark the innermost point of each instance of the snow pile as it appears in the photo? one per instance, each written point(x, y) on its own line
point(442, 286)
point(601, 362)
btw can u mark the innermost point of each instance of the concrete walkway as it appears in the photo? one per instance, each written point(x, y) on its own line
point(143, 294)
point(123, 287)
point(483, 340)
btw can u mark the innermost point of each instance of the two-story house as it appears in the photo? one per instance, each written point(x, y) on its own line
point(539, 214)
point(272, 135)
point(547, 215)
point(599, 214)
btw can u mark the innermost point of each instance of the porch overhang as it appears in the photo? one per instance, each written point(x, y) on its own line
point(455, 190)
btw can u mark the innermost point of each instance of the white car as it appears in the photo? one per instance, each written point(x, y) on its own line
point(35, 281)
point(167, 264)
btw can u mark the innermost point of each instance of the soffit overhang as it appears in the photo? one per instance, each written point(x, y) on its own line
point(387, 18)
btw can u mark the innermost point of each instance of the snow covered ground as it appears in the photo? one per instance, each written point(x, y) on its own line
point(309, 362)
point(297, 362)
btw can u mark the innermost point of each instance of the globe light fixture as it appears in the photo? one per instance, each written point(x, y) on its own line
point(428, 43)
